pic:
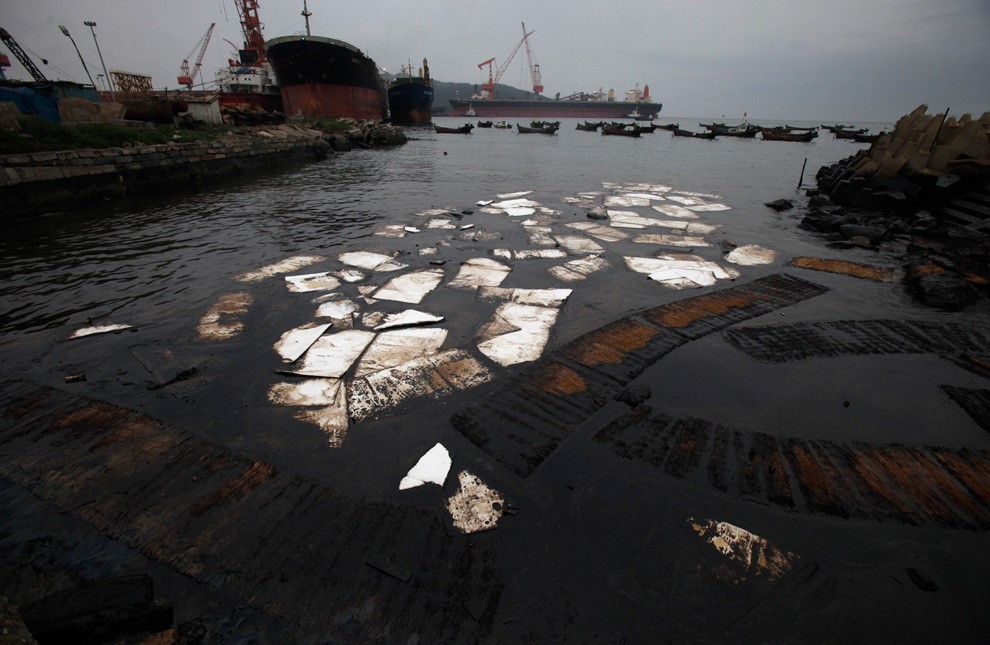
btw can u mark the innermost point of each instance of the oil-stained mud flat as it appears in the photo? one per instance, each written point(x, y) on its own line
point(300, 551)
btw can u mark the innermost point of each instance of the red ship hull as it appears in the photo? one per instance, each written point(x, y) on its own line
point(315, 100)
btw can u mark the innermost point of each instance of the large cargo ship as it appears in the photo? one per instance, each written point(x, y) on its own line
point(325, 77)
point(410, 98)
point(582, 106)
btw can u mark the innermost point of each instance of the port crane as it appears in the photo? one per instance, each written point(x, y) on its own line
point(21, 56)
point(254, 42)
point(186, 78)
point(488, 88)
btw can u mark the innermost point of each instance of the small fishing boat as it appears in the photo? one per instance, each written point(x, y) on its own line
point(669, 126)
point(464, 129)
point(646, 129)
point(867, 138)
point(782, 134)
point(798, 128)
point(694, 135)
point(588, 127)
point(619, 131)
point(484, 124)
point(848, 134)
point(745, 131)
point(521, 129)
point(502, 125)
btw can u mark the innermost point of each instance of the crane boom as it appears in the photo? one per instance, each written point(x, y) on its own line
point(534, 70)
point(187, 78)
point(488, 89)
point(251, 25)
point(21, 56)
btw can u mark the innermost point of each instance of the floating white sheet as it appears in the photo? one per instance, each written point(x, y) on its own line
point(221, 321)
point(311, 282)
point(479, 272)
point(521, 193)
point(527, 343)
point(295, 342)
point(391, 230)
point(626, 201)
point(540, 297)
point(529, 254)
point(671, 240)
point(431, 468)
point(751, 255)
point(337, 309)
point(579, 269)
point(408, 318)
point(99, 329)
point(331, 356)
point(310, 392)
point(440, 224)
point(709, 208)
point(371, 261)
point(599, 232)
point(287, 265)
point(671, 210)
point(577, 244)
point(411, 287)
point(392, 348)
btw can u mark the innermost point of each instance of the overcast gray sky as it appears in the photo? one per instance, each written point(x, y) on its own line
point(829, 60)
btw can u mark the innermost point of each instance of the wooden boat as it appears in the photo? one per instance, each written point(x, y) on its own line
point(781, 134)
point(545, 124)
point(799, 129)
point(711, 126)
point(867, 138)
point(484, 124)
point(744, 131)
point(694, 135)
point(521, 129)
point(464, 129)
point(646, 129)
point(587, 127)
point(621, 132)
point(669, 126)
point(848, 134)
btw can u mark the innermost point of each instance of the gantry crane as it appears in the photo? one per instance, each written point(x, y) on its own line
point(488, 89)
point(20, 55)
point(186, 78)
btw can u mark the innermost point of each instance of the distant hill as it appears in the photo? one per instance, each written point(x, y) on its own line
point(444, 91)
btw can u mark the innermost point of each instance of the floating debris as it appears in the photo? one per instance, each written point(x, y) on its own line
point(529, 254)
point(644, 196)
point(676, 211)
point(580, 268)
point(411, 229)
point(438, 375)
point(294, 343)
point(475, 507)
point(466, 227)
point(479, 272)
point(516, 203)
point(79, 377)
point(484, 202)
point(312, 282)
point(688, 271)
point(521, 193)
point(626, 201)
point(220, 322)
point(686, 201)
point(429, 251)
point(350, 275)
point(393, 348)
point(599, 232)
point(440, 224)
point(432, 468)
point(525, 344)
point(708, 208)
point(519, 211)
point(411, 287)
point(541, 297)
point(371, 261)
point(408, 318)
point(311, 392)
point(577, 244)
point(540, 237)
point(751, 255)
point(287, 265)
point(82, 332)
point(671, 240)
point(757, 556)
point(391, 230)
point(331, 356)
point(338, 310)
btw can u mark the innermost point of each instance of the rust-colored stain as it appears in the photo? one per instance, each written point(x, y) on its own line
point(922, 269)
point(236, 488)
point(610, 344)
point(95, 416)
point(898, 466)
point(854, 269)
point(686, 312)
point(27, 405)
point(879, 487)
point(969, 469)
point(221, 321)
point(813, 480)
point(938, 477)
point(556, 379)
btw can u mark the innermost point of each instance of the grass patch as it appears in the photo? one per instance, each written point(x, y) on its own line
point(332, 125)
point(39, 135)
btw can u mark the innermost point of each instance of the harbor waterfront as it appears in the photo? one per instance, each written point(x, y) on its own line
point(661, 481)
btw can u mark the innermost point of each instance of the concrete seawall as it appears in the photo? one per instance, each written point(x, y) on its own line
point(34, 182)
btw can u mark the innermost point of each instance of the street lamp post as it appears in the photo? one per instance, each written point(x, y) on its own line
point(91, 24)
point(66, 32)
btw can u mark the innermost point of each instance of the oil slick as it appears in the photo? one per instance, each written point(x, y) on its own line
point(753, 555)
point(287, 265)
point(475, 507)
point(222, 320)
point(432, 468)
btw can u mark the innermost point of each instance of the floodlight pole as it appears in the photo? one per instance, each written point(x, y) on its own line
point(91, 24)
point(66, 32)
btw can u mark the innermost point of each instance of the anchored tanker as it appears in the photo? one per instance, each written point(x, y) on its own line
point(637, 103)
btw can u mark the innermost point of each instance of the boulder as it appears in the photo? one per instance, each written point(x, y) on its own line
point(946, 290)
point(780, 205)
point(634, 395)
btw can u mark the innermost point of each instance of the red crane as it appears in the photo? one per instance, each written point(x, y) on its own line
point(534, 70)
point(488, 89)
point(186, 78)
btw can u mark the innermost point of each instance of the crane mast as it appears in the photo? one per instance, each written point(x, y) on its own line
point(186, 78)
point(534, 70)
point(21, 56)
point(251, 25)
point(488, 88)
